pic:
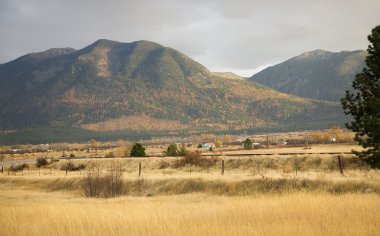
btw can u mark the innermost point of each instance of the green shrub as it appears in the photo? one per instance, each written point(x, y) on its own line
point(248, 144)
point(171, 150)
point(138, 150)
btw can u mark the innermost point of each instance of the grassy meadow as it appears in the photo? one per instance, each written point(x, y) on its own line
point(29, 212)
point(256, 195)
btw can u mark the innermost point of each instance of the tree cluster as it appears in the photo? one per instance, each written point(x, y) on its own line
point(173, 150)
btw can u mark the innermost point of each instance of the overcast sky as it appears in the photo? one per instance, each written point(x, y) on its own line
point(241, 36)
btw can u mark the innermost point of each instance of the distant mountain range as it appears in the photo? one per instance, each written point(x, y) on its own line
point(141, 86)
point(318, 74)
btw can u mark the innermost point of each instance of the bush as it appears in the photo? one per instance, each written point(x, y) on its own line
point(248, 144)
point(41, 162)
point(109, 185)
point(196, 159)
point(18, 167)
point(218, 144)
point(138, 150)
point(163, 165)
point(72, 167)
point(72, 155)
point(182, 151)
point(52, 160)
point(110, 155)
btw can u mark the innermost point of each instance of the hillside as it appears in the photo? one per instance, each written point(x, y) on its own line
point(111, 86)
point(318, 74)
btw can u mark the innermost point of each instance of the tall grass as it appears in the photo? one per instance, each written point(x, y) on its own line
point(97, 185)
point(237, 203)
point(25, 212)
point(111, 185)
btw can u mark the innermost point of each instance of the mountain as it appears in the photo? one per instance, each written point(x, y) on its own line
point(318, 74)
point(142, 86)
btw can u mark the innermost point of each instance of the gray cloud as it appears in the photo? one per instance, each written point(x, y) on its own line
point(239, 35)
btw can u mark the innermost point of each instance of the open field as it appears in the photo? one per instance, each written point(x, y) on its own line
point(29, 212)
point(297, 194)
point(315, 162)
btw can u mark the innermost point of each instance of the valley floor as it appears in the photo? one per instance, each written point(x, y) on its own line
point(30, 212)
point(261, 195)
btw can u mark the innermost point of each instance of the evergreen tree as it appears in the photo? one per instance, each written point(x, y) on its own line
point(138, 150)
point(247, 144)
point(364, 104)
point(171, 150)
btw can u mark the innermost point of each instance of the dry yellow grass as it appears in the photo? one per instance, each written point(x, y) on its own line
point(236, 168)
point(27, 212)
point(312, 204)
point(158, 150)
point(320, 148)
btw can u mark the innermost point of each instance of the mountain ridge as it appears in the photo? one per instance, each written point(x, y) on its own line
point(109, 82)
point(317, 74)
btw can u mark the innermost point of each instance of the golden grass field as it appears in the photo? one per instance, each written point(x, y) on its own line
point(29, 212)
point(270, 200)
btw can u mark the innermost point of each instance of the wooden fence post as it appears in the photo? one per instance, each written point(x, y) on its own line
point(190, 168)
point(66, 169)
point(162, 165)
point(139, 168)
point(222, 167)
point(39, 171)
point(296, 164)
point(340, 162)
point(2, 170)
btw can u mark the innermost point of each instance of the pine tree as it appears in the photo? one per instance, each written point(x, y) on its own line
point(364, 104)
point(138, 150)
point(247, 144)
point(171, 150)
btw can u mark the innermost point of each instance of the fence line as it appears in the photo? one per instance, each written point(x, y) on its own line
point(339, 166)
